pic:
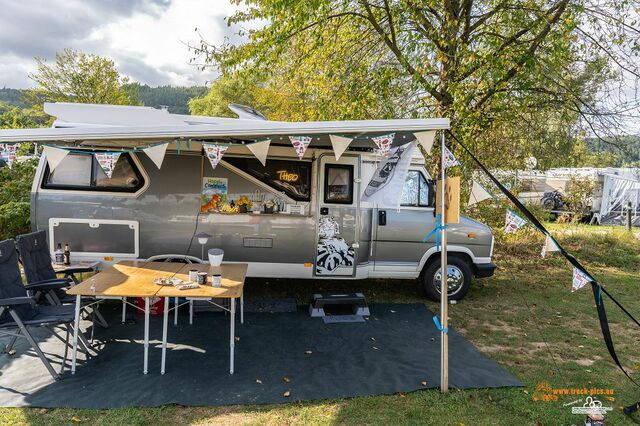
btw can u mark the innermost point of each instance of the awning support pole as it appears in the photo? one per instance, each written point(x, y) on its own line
point(444, 276)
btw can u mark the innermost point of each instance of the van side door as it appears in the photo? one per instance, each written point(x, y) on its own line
point(398, 245)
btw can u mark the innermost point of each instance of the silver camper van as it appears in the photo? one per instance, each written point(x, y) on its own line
point(288, 218)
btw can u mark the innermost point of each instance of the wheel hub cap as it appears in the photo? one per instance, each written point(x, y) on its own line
point(455, 280)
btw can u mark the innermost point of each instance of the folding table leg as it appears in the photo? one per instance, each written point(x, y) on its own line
point(124, 310)
point(190, 312)
point(242, 308)
point(165, 325)
point(232, 333)
point(146, 334)
point(76, 328)
point(175, 310)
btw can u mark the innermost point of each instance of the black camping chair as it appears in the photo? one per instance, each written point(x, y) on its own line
point(36, 261)
point(19, 311)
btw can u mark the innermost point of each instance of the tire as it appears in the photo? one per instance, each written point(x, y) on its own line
point(456, 265)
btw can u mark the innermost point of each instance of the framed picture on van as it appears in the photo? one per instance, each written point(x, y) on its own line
point(214, 194)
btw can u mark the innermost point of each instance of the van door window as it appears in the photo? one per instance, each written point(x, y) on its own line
point(79, 171)
point(338, 184)
point(415, 192)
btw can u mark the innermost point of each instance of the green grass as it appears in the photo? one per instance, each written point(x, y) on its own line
point(525, 318)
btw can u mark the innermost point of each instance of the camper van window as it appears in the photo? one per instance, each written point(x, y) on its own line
point(416, 190)
point(338, 184)
point(291, 177)
point(79, 171)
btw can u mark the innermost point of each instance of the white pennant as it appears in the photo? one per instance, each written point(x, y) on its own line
point(107, 161)
point(54, 156)
point(580, 279)
point(156, 153)
point(214, 152)
point(450, 160)
point(260, 150)
point(513, 223)
point(383, 143)
point(549, 245)
point(300, 144)
point(425, 139)
point(339, 144)
point(478, 193)
point(385, 186)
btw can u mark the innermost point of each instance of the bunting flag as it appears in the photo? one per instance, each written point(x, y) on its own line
point(54, 156)
point(513, 223)
point(107, 161)
point(260, 150)
point(156, 153)
point(300, 143)
point(385, 187)
point(425, 139)
point(383, 144)
point(339, 144)
point(478, 193)
point(214, 152)
point(8, 152)
point(450, 160)
point(580, 279)
point(549, 245)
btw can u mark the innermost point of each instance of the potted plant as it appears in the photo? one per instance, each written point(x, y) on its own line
point(244, 204)
point(269, 205)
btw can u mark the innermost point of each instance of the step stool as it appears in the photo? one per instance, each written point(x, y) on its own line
point(352, 303)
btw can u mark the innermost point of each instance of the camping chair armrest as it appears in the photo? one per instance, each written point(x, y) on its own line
point(54, 284)
point(11, 301)
point(78, 270)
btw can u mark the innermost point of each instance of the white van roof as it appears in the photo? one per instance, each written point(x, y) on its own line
point(132, 126)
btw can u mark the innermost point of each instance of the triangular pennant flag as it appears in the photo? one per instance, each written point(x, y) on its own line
point(300, 144)
point(580, 279)
point(450, 160)
point(156, 153)
point(260, 150)
point(54, 156)
point(107, 161)
point(549, 245)
point(513, 223)
point(478, 193)
point(214, 152)
point(425, 139)
point(383, 144)
point(339, 144)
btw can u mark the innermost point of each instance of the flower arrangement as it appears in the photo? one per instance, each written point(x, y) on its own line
point(270, 204)
point(244, 201)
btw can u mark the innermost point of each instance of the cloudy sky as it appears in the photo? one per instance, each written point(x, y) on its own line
point(145, 38)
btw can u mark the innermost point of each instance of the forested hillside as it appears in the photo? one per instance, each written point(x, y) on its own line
point(175, 98)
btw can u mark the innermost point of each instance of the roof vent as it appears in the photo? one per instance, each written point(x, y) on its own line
point(246, 112)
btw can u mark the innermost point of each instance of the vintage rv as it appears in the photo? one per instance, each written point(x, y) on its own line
point(304, 218)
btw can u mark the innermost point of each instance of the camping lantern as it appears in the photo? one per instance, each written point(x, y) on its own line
point(203, 238)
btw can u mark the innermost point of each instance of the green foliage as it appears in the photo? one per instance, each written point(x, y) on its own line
point(15, 191)
point(79, 77)
point(514, 76)
point(12, 97)
point(579, 196)
point(12, 117)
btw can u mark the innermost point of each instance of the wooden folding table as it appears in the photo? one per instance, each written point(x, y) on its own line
point(232, 286)
point(122, 280)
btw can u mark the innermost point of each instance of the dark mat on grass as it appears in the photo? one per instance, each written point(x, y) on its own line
point(395, 350)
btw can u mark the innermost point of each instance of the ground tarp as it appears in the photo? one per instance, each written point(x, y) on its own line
point(395, 350)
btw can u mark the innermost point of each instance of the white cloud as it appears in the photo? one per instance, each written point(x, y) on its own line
point(146, 38)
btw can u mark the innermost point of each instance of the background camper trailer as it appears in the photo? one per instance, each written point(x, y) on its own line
point(293, 217)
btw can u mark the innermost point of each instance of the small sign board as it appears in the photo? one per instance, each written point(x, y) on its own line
point(452, 199)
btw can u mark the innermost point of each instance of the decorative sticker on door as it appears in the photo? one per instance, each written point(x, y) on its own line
point(333, 251)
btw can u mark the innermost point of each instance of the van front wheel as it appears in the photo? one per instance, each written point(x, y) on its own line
point(458, 280)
